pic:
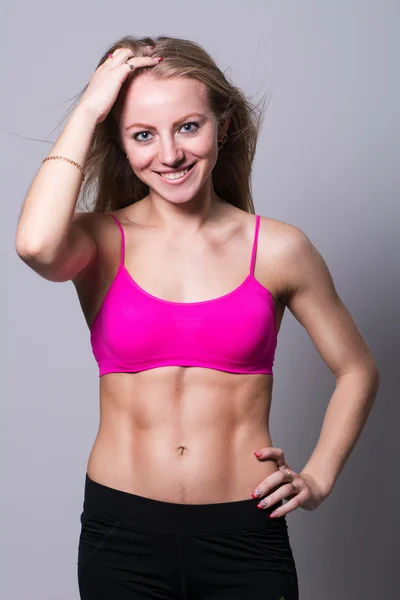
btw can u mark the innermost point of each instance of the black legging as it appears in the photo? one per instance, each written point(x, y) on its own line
point(135, 548)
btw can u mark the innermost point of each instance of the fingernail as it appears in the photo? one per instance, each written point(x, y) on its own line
point(257, 454)
point(159, 58)
point(256, 493)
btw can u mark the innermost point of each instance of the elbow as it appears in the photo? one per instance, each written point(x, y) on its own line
point(42, 261)
point(25, 252)
point(31, 252)
point(33, 256)
point(373, 371)
point(366, 374)
point(27, 249)
point(372, 376)
point(377, 378)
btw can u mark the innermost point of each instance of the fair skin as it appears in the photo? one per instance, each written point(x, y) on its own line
point(188, 434)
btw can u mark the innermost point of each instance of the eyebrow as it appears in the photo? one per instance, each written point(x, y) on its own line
point(175, 123)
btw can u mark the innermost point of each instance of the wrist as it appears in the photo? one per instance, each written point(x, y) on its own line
point(321, 489)
point(85, 113)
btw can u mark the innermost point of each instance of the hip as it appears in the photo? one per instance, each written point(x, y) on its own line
point(184, 549)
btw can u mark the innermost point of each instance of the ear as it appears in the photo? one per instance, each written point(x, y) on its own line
point(223, 127)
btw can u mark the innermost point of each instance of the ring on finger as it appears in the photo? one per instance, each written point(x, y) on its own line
point(289, 475)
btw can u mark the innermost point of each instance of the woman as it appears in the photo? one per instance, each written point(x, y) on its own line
point(184, 288)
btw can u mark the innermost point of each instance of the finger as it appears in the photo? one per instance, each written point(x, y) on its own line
point(105, 62)
point(142, 61)
point(284, 491)
point(271, 453)
point(287, 507)
point(276, 479)
point(120, 56)
point(109, 58)
point(119, 50)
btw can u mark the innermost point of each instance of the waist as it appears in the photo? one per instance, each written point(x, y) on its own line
point(206, 467)
point(179, 518)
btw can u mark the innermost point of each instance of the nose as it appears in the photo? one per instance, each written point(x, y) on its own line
point(171, 155)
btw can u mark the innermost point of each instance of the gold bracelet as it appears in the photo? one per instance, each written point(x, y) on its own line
point(68, 160)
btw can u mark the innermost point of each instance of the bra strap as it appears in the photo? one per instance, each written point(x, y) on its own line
point(122, 238)
point(254, 251)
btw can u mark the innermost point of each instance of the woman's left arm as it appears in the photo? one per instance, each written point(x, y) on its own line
point(313, 300)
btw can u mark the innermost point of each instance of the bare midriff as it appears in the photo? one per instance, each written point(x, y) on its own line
point(183, 434)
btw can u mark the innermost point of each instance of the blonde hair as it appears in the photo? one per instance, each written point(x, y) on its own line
point(109, 176)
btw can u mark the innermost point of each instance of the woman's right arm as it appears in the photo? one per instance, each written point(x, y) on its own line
point(51, 238)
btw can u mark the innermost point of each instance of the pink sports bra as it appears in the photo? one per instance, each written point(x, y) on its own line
point(134, 330)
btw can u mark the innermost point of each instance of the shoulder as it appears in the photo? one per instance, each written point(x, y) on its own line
point(286, 237)
point(295, 257)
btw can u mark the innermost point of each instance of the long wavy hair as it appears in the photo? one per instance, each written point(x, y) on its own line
point(110, 179)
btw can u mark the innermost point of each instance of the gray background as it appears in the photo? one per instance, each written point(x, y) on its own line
point(327, 161)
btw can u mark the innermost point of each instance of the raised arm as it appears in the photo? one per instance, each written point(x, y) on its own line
point(49, 237)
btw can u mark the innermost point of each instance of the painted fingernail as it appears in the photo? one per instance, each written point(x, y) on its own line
point(273, 514)
point(159, 58)
point(256, 493)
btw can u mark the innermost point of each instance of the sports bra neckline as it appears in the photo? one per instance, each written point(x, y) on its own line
point(196, 302)
point(249, 277)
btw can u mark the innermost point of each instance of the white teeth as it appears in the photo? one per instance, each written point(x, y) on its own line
point(177, 175)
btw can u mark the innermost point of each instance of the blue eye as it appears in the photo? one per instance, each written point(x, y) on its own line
point(141, 141)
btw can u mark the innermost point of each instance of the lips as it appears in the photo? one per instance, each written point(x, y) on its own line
point(177, 171)
point(178, 181)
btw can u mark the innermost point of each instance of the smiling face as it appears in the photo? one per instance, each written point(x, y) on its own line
point(165, 126)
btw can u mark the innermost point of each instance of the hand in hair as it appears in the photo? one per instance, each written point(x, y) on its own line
point(105, 83)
